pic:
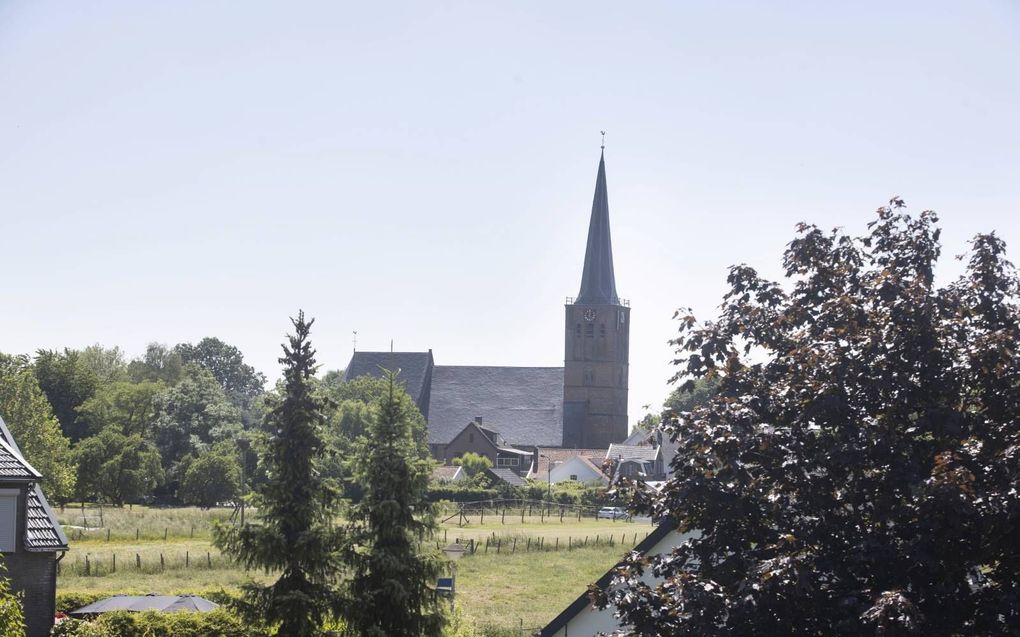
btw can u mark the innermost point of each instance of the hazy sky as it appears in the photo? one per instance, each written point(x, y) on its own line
point(423, 171)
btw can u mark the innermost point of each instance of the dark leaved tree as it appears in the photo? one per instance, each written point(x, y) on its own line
point(391, 593)
point(295, 535)
point(67, 381)
point(857, 471)
point(240, 381)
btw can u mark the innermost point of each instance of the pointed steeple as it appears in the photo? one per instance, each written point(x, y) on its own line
point(598, 282)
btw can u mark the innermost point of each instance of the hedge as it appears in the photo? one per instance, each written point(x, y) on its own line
point(218, 623)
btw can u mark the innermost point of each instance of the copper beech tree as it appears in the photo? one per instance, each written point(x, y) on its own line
point(858, 470)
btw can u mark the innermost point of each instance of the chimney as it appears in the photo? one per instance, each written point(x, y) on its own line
point(478, 419)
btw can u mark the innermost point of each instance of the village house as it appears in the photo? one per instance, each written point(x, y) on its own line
point(31, 539)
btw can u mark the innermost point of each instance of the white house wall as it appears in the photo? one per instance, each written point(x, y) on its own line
point(590, 621)
point(575, 466)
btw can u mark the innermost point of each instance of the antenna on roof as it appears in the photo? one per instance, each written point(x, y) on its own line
point(355, 340)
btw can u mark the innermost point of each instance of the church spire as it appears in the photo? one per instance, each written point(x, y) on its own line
point(598, 282)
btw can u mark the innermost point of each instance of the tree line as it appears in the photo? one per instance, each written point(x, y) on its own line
point(171, 426)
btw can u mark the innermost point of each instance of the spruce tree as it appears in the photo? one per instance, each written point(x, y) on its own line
point(391, 593)
point(295, 534)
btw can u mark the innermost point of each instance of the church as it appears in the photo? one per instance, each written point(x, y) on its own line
point(516, 410)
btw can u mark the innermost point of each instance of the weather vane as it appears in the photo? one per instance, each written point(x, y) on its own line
point(603, 139)
point(355, 340)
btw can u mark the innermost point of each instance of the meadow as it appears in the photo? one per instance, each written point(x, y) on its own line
point(523, 571)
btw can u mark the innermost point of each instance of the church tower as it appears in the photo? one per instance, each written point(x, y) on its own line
point(597, 338)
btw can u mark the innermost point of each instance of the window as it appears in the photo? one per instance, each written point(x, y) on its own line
point(512, 461)
point(573, 477)
point(8, 520)
point(602, 330)
point(589, 330)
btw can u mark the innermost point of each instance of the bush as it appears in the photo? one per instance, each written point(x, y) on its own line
point(219, 623)
point(460, 494)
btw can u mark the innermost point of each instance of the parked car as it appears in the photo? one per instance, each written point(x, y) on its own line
point(611, 513)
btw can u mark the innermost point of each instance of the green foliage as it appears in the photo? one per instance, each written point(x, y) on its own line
point(24, 408)
point(691, 396)
point(370, 391)
point(116, 468)
point(192, 414)
point(159, 364)
point(473, 463)
point(240, 382)
point(12, 616)
point(218, 623)
point(457, 493)
point(390, 587)
point(129, 408)
point(68, 382)
point(106, 363)
point(352, 408)
point(856, 472)
point(214, 476)
point(295, 535)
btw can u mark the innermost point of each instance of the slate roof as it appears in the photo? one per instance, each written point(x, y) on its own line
point(507, 475)
point(415, 372)
point(43, 533)
point(598, 281)
point(641, 453)
point(13, 466)
point(525, 404)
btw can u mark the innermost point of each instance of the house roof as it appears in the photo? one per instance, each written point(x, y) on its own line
point(13, 466)
point(507, 475)
point(415, 371)
point(545, 454)
point(446, 472)
point(43, 533)
point(583, 601)
point(524, 404)
point(639, 453)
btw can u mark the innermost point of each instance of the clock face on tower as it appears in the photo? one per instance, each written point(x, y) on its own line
point(589, 315)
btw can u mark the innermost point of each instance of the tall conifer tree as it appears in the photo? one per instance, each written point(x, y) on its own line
point(295, 535)
point(390, 589)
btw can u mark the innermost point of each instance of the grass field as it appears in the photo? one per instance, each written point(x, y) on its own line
point(502, 585)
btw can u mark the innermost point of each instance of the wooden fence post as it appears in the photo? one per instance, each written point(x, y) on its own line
point(162, 564)
point(138, 561)
point(114, 563)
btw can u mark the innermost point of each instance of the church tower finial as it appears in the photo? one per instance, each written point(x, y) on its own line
point(598, 280)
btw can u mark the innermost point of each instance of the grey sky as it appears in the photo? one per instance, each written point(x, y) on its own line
point(424, 171)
